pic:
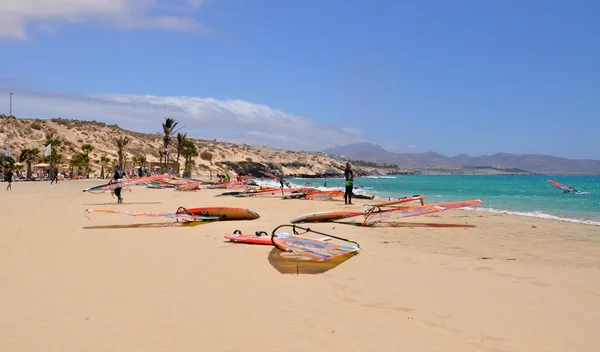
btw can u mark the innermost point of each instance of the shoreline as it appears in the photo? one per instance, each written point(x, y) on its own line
point(526, 210)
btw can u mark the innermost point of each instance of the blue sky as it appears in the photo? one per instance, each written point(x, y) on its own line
point(474, 77)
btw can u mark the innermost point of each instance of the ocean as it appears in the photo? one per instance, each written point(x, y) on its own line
point(519, 195)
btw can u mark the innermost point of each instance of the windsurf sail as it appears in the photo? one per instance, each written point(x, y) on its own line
point(317, 255)
point(565, 188)
point(323, 194)
point(317, 249)
point(131, 182)
point(280, 179)
point(191, 186)
point(181, 215)
point(375, 215)
point(400, 201)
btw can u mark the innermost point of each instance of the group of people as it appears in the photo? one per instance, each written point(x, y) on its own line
point(119, 175)
point(9, 175)
point(223, 178)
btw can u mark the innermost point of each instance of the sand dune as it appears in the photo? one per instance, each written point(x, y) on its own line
point(509, 284)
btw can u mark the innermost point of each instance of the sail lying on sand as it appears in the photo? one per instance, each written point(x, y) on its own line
point(317, 249)
point(131, 182)
point(181, 215)
point(401, 201)
point(375, 214)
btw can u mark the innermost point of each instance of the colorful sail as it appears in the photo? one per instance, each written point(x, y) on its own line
point(131, 182)
point(375, 216)
point(565, 188)
point(278, 179)
point(316, 249)
point(183, 216)
point(401, 201)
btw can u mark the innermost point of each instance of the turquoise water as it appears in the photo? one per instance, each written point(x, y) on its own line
point(522, 195)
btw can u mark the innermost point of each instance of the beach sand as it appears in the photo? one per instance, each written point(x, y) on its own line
point(509, 284)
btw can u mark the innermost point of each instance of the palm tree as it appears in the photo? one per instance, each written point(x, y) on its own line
point(180, 139)
point(168, 131)
point(86, 149)
point(139, 160)
point(121, 143)
point(18, 168)
point(161, 155)
point(54, 156)
point(189, 153)
point(6, 162)
point(28, 156)
point(104, 160)
point(79, 160)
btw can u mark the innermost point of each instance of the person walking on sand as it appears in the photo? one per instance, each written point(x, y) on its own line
point(349, 175)
point(8, 176)
point(117, 177)
point(54, 176)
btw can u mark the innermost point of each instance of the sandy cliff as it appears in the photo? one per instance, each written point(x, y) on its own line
point(32, 133)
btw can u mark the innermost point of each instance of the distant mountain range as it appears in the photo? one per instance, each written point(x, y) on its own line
point(536, 163)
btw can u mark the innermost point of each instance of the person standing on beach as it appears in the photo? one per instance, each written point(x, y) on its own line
point(349, 175)
point(54, 176)
point(8, 176)
point(117, 177)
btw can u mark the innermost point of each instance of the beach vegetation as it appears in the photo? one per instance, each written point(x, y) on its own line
point(181, 138)
point(168, 130)
point(103, 161)
point(7, 162)
point(189, 153)
point(121, 143)
point(206, 155)
point(86, 149)
point(138, 159)
point(57, 146)
point(28, 156)
point(79, 160)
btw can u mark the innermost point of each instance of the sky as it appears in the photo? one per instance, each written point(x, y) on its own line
point(450, 76)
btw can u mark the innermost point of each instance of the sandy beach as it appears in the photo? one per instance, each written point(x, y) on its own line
point(508, 284)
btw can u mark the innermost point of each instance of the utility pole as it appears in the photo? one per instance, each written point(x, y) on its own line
point(10, 100)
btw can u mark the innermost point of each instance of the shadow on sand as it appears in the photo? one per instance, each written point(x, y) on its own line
point(288, 263)
point(147, 225)
point(402, 224)
point(115, 202)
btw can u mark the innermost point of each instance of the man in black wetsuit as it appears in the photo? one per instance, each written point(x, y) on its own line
point(54, 177)
point(8, 176)
point(349, 175)
point(117, 177)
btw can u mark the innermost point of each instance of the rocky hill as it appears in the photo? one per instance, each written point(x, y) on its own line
point(226, 157)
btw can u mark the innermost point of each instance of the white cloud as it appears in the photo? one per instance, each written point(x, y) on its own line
point(16, 15)
point(226, 120)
